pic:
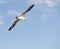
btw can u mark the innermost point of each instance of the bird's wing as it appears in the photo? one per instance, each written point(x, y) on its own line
point(27, 10)
point(15, 22)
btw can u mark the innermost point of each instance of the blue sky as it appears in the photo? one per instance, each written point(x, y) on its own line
point(41, 30)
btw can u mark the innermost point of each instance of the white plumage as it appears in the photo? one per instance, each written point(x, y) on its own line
point(21, 18)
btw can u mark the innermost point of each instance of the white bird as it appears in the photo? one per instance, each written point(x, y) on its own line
point(21, 17)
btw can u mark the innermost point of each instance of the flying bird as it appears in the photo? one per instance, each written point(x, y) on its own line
point(21, 17)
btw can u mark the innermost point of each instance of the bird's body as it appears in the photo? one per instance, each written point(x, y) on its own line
point(21, 17)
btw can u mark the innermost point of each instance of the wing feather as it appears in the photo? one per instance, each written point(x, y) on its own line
point(15, 22)
point(27, 10)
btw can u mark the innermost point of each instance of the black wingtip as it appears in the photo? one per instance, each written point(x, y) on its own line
point(32, 5)
point(9, 29)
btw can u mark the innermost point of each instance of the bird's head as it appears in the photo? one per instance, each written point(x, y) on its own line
point(17, 16)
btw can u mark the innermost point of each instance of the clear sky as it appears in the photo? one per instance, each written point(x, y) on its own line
point(41, 30)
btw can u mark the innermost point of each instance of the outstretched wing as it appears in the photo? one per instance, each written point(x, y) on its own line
point(15, 22)
point(27, 10)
